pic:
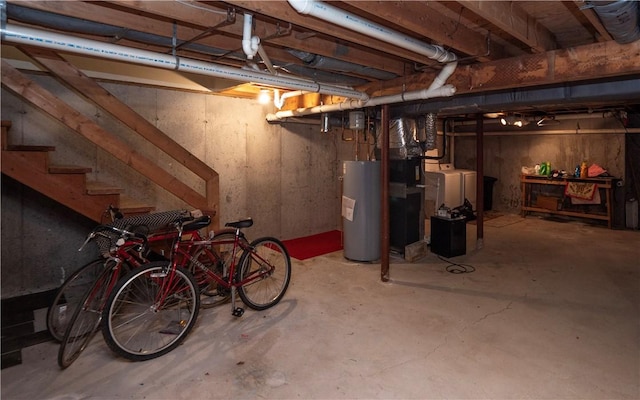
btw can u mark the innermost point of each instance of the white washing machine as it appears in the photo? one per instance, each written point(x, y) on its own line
point(469, 185)
point(444, 187)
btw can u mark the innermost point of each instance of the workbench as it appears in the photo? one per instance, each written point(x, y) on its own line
point(547, 195)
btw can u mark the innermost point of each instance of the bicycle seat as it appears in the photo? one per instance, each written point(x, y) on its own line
point(243, 223)
point(197, 223)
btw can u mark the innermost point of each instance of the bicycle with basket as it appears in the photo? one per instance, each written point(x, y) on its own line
point(76, 312)
point(153, 308)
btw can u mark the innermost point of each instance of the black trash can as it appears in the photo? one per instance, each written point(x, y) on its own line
point(488, 192)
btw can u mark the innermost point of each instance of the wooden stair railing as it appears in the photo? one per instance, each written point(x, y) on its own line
point(30, 91)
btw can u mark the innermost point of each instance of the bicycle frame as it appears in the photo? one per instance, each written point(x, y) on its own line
point(240, 244)
point(129, 248)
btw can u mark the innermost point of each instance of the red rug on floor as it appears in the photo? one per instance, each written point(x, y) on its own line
point(314, 245)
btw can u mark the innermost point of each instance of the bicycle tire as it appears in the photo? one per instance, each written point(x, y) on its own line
point(268, 290)
point(86, 319)
point(69, 296)
point(217, 258)
point(139, 327)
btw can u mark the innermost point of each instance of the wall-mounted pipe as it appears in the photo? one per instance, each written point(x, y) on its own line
point(444, 91)
point(39, 38)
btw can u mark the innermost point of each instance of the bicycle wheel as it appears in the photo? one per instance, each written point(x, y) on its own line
point(84, 323)
point(218, 258)
point(268, 261)
point(150, 311)
point(69, 296)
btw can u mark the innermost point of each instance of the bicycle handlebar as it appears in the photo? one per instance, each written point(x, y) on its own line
point(122, 232)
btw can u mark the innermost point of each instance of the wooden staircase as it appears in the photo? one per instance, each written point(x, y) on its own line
point(66, 184)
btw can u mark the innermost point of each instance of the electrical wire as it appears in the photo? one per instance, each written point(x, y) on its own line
point(457, 268)
point(191, 4)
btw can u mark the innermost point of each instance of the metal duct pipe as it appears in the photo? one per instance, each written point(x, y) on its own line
point(431, 130)
point(620, 19)
point(318, 61)
point(444, 91)
point(34, 37)
point(351, 21)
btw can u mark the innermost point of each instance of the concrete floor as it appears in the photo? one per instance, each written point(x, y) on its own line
point(552, 311)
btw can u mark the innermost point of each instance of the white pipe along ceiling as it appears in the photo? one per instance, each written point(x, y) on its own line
point(28, 36)
point(347, 20)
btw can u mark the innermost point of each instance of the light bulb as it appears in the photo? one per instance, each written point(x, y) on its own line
point(264, 97)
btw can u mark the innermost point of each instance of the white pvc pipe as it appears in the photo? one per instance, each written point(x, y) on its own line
point(33, 37)
point(278, 99)
point(444, 74)
point(351, 21)
point(444, 91)
point(249, 43)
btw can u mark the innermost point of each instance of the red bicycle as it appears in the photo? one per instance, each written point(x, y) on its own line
point(83, 295)
point(152, 309)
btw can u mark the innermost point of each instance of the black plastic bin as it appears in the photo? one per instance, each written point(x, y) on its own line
point(488, 192)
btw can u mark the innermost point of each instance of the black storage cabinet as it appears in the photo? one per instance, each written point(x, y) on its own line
point(448, 236)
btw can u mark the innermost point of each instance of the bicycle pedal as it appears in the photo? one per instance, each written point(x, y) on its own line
point(237, 312)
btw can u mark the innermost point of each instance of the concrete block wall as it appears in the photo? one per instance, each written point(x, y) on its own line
point(284, 176)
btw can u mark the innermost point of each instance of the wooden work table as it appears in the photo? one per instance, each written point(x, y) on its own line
point(547, 195)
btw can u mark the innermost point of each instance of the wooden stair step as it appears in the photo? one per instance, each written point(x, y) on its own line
point(129, 206)
point(27, 147)
point(95, 187)
point(69, 169)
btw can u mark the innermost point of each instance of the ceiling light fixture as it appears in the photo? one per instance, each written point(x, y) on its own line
point(264, 97)
point(514, 120)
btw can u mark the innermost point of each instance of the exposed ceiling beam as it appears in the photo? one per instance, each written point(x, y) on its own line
point(425, 20)
point(594, 61)
point(603, 35)
point(314, 44)
point(511, 18)
point(281, 10)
